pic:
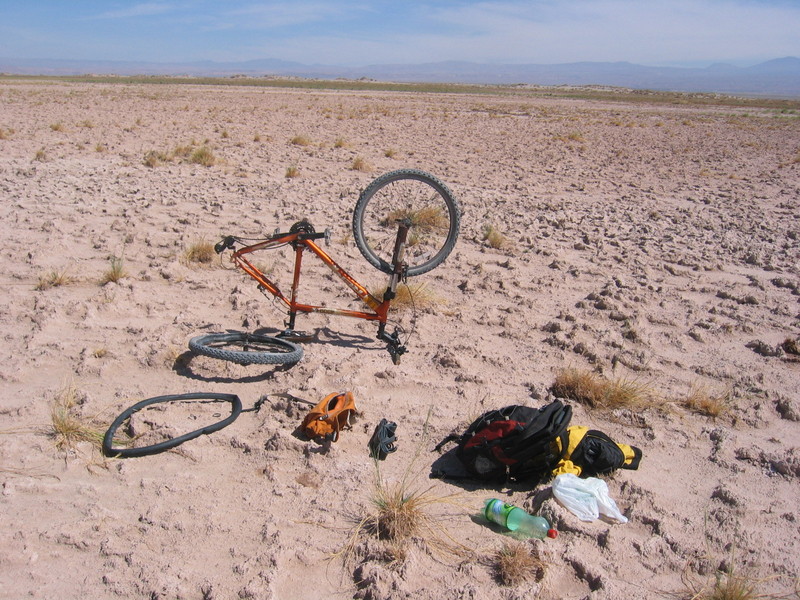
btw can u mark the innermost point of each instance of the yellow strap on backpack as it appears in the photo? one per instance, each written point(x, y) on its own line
point(629, 456)
point(330, 416)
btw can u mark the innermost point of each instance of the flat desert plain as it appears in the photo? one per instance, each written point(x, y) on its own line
point(650, 245)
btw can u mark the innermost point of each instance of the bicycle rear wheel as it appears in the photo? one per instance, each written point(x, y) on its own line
point(248, 348)
point(422, 199)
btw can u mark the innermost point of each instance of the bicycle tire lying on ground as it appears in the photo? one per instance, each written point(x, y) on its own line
point(108, 439)
point(252, 348)
point(422, 199)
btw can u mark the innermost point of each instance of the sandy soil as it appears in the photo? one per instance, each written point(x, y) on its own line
point(647, 242)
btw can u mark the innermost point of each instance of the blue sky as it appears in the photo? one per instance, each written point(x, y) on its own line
point(363, 32)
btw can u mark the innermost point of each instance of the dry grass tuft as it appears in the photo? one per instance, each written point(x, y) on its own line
point(596, 391)
point(203, 156)
point(67, 427)
point(493, 237)
point(201, 252)
point(301, 140)
point(727, 585)
point(186, 153)
point(518, 562)
point(53, 279)
point(402, 514)
point(359, 164)
point(701, 400)
point(424, 220)
point(292, 172)
point(115, 272)
point(154, 158)
point(415, 296)
point(791, 346)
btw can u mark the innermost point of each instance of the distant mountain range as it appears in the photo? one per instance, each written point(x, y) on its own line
point(776, 78)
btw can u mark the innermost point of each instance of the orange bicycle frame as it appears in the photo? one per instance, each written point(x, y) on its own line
point(380, 309)
point(301, 237)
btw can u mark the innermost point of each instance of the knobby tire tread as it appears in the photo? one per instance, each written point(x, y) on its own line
point(202, 345)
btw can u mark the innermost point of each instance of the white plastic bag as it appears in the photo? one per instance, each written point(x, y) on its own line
point(586, 498)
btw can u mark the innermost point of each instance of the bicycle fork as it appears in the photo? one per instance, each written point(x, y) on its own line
point(395, 348)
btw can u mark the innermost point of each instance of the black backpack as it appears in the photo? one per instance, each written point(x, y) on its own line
point(513, 443)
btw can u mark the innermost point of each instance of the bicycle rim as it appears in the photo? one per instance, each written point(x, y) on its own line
point(407, 194)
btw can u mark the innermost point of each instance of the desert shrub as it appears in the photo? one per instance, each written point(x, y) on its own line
point(292, 172)
point(57, 126)
point(596, 391)
point(390, 153)
point(40, 155)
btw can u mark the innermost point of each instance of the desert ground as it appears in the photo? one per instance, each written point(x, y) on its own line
point(653, 244)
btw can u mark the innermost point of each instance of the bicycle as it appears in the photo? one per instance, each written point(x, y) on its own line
point(427, 219)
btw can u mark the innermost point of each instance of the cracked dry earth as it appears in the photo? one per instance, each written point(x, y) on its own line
point(651, 243)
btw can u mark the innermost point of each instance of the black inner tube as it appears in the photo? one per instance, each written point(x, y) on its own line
point(108, 439)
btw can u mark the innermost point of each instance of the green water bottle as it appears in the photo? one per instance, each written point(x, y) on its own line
point(517, 520)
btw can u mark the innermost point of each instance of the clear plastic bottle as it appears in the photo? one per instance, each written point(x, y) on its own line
point(517, 520)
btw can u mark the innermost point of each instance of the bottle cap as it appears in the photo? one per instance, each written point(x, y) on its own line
point(552, 534)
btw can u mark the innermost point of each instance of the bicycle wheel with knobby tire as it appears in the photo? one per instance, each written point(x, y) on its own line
point(423, 201)
point(246, 348)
